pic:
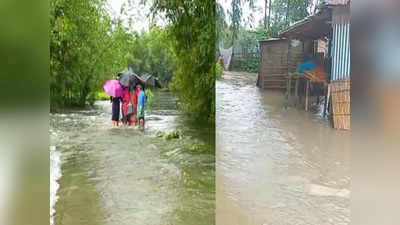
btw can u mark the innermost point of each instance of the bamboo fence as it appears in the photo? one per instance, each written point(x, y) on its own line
point(341, 104)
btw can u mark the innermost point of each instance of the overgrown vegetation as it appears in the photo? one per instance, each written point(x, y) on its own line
point(192, 28)
point(152, 53)
point(152, 99)
point(231, 31)
point(218, 71)
point(101, 95)
point(87, 47)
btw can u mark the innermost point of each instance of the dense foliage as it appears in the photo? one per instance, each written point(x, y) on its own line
point(283, 14)
point(279, 14)
point(221, 27)
point(152, 53)
point(86, 47)
point(218, 71)
point(192, 27)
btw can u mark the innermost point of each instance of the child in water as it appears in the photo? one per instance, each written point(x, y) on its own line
point(115, 110)
point(142, 99)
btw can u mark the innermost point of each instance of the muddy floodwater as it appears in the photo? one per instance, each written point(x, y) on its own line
point(116, 176)
point(277, 165)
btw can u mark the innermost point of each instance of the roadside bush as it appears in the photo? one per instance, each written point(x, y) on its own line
point(218, 71)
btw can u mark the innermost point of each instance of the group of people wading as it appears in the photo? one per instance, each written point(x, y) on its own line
point(131, 105)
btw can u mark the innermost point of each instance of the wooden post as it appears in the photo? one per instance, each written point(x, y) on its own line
point(330, 106)
point(326, 105)
point(307, 93)
point(330, 102)
point(290, 86)
point(296, 90)
point(288, 71)
point(325, 98)
point(287, 87)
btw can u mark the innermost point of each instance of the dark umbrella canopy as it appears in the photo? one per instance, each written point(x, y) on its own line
point(125, 78)
point(130, 79)
point(138, 80)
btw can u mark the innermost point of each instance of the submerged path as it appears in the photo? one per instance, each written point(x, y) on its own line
point(276, 165)
point(116, 176)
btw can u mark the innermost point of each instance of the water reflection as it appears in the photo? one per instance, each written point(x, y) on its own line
point(275, 164)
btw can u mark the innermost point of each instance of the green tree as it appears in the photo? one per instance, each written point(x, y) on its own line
point(86, 47)
point(236, 14)
point(282, 13)
point(220, 23)
point(192, 28)
point(152, 53)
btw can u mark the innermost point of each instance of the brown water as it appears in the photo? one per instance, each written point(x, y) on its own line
point(275, 164)
point(113, 176)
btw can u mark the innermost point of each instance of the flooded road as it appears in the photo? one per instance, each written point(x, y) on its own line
point(276, 165)
point(115, 176)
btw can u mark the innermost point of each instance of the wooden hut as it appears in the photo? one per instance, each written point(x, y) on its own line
point(280, 57)
point(331, 24)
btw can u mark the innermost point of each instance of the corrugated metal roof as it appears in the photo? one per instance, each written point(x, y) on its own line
point(335, 2)
point(272, 39)
point(313, 26)
point(314, 19)
point(296, 24)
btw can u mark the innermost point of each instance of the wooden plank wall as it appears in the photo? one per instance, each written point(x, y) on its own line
point(278, 59)
point(296, 54)
point(273, 64)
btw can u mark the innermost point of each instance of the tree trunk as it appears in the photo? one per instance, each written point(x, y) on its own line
point(265, 15)
point(269, 14)
point(287, 12)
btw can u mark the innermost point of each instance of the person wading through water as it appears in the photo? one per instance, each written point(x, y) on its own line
point(142, 99)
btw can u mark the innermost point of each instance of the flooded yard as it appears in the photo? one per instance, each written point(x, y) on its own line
point(105, 175)
point(275, 164)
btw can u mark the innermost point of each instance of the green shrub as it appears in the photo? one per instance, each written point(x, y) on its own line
point(149, 94)
point(218, 71)
point(152, 99)
point(102, 96)
point(192, 31)
point(250, 66)
point(87, 47)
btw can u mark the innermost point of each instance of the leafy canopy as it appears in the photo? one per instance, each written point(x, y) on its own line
point(192, 28)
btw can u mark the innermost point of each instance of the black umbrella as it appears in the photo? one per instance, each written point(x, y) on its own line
point(125, 78)
point(130, 79)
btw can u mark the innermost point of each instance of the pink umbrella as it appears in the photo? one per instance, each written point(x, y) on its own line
point(113, 88)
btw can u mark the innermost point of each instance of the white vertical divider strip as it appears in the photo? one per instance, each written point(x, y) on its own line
point(341, 49)
point(334, 63)
point(348, 49)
